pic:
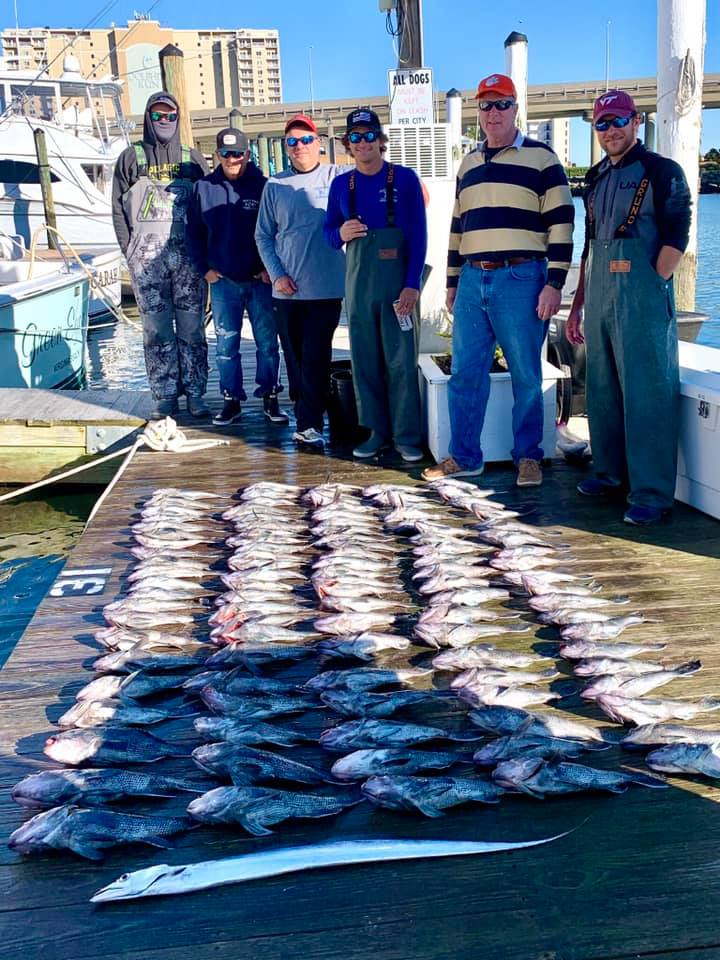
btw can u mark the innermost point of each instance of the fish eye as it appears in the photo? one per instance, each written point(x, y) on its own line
point(124, 877)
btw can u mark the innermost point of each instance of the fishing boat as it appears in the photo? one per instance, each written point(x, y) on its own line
point(43, 323)
point(85, 131)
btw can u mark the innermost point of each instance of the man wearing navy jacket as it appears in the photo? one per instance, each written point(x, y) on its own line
point(221, 243)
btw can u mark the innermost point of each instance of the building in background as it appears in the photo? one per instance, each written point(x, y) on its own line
point(223, 68)
point(553, 133)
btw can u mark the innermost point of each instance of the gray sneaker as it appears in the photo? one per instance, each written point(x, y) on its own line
point(374, 445)
point(311, 437)
point(408, 453)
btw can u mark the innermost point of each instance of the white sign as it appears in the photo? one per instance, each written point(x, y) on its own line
point(411, 97)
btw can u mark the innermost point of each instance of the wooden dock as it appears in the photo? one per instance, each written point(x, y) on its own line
point(638, 877)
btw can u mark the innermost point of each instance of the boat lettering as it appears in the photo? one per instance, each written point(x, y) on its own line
point(103, 278)
point(36, 342)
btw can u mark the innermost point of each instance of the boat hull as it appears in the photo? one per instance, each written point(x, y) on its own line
point(43, 331)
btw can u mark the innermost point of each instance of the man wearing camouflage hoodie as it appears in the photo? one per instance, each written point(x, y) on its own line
point(151, 189)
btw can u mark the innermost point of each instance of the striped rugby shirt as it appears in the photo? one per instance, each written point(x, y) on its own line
point(517, 204)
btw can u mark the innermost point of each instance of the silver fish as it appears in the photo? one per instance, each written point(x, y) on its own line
point(602, 631)
point(470, 597)
point(514, 696)
point(140, 657)
point(429, 795)
point(89, 832)
point(367, 763)
point(162, 880)
point(132, 685)
point(482, 655)
point(359, 734)
point(643, 711)
point(638, 686)
point(248, 733)
point(599, 666)
point(502, 677)
point(363, 605)
point(109, 747)
point(538, 582)
point(563, 617)
point(244, 765)
point(582, 649)
point(245, 707)
point(364, 646)
point(257, 809)
point(447, 635)
point(50, 788)
point(98, 713)
point(513, 720)
point(540, 778)
point(343, 624)
point(563, 600)
point(698, 758)
point(526, 746)
point(662, 734)
point(256, 655)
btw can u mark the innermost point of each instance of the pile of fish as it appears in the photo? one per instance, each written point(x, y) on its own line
point(328, 646)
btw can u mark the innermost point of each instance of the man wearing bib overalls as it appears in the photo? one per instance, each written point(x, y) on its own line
point(152, 185)
point(378, 211)
point(636, 227)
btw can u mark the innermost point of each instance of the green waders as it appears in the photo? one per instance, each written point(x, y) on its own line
point(384, 357)
point(633, 387)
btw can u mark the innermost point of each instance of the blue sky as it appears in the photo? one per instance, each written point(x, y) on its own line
point(351, 52)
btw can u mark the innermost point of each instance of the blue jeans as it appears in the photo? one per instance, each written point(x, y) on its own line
point(497, 306)
point(230, 300)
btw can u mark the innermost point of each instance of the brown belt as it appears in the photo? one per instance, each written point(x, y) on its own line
point(497, 264)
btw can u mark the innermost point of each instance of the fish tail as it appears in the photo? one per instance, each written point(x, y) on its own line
point(692, 666)
point(710, 703)
point(658, 783)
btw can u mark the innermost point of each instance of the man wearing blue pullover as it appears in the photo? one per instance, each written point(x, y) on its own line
point(221, 243)
point(378, 212)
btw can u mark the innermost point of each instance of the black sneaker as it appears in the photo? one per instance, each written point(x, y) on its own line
point(230, 413)
point(165, 407)
point(271, 408)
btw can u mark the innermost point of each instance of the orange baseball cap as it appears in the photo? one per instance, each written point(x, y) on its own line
point(496, 83)
point(301, 120)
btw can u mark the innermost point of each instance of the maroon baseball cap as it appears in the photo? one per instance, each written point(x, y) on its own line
point(614, 103)
point(301, 120)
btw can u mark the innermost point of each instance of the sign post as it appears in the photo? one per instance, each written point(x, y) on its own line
point(411, 97)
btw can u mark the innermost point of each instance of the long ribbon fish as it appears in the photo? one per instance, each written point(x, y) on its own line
point(163, 879)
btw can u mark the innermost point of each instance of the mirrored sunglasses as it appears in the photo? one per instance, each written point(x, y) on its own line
point(370, 136)
point(306, 140)
point(487, 105)
point(618, 122)
point(160, 115)
point(231, 154)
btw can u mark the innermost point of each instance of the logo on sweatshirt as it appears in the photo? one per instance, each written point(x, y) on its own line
point(250, 204)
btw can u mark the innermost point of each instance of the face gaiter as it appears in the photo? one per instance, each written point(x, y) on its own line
point(164, 129)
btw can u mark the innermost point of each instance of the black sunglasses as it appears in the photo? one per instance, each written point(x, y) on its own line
point(617, 122)
point(306, 140)
point(370, 136)
point(231, 154)
point(487, 105)
point(159, 115)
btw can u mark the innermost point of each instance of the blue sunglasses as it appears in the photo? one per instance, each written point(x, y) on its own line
point(306, 140)
point(370, 136)
point(617, 122)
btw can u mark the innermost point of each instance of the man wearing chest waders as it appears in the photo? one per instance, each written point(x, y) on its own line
point(152, 185)
point(378, 212)
point(637, 225)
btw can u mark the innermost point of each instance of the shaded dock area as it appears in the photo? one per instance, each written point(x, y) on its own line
point(638, 876)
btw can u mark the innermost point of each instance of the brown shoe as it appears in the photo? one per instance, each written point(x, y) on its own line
point(449, 468)
point(529, 473)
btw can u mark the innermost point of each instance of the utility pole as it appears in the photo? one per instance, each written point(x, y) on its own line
point(680, 57)
point(411, 53)
point(172, 71)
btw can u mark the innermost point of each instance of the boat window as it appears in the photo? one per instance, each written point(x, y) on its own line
point(33, 101)
point(18, 171)
point(99, 174)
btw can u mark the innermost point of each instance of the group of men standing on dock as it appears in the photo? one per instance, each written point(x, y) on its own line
point(290, 249)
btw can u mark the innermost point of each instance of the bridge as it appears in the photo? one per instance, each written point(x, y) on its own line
point(545, 101)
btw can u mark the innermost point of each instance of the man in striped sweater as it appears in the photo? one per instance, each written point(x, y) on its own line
point(509, 253)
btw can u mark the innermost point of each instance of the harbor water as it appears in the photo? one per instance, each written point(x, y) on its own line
point(38, 532)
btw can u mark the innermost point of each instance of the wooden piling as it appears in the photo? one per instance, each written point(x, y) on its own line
point(46, 187)
point(172, 69)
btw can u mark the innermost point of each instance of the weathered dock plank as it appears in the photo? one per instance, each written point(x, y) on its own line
point(638, 876)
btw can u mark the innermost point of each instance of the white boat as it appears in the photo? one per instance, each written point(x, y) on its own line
point(43, 322)
point(85, 131)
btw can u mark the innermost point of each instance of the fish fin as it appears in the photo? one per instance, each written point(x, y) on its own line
point(252, 823)
point(692, 666)
point(84, 848)
point(161, 842)
point(240, 777)
point(645, 780)
point(427, 809)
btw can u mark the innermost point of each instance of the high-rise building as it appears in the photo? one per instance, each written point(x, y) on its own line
point(223, 68)
point(553, 133)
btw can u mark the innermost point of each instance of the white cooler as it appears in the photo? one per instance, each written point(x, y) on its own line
point(698, 477)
